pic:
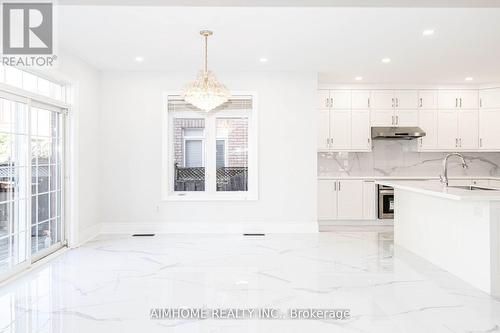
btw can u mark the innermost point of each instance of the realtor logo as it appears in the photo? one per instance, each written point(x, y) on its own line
point(27, 28)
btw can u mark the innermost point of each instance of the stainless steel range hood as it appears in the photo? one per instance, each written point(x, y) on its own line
point(397, 133)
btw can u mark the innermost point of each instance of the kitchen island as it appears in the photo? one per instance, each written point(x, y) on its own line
point(455, 228)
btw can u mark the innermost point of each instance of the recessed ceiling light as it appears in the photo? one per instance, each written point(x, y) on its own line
point(469, 78)
point(139, 59)
point(428, 32)
point(386, 60)
point(358, 78)
point(263, 59)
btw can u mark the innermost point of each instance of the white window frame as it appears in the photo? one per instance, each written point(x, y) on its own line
point(210, 137)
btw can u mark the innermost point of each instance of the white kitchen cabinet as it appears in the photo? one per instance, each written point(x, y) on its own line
point(341, 99)
point(360, 99)
point(406, 117)
point(448, 129)
point(427, 99)
point(369, 200)
point(480, 182)
point(494, 183)
point(458, 99)
point(468, 131)
point(327, 199)
point(406, 99)
point(489, 98)
point(489, 133)
point(350, 202)
point(324, 101)
point(458, 130)
point(323, 129)
point(342, 199)
point(340, 127)
point(360, 130)
point(383, 99)
point(428, 122)
point(382, 117)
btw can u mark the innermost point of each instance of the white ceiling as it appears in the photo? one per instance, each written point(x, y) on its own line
point(339, 43)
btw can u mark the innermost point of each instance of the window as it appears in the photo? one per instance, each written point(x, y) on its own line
point(33, 83)
point(210, 154)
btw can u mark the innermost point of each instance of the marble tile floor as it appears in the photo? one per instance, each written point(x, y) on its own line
point(111, 283)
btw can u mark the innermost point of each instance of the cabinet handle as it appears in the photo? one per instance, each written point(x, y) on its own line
point(339, 187)
point(421, 102)
point(456, 142)
point(460, 102)
point(368, 101)
point(392, 122)
point(480, 142)
point(480, 102)
point(335, 186)
point(397, 102)
point(421, 142)
point(460, 142)
point(397, 120)
point(393, 102)
point(456, 102)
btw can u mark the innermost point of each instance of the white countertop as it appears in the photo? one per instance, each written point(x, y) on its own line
point(438, 190)
point(326, 177)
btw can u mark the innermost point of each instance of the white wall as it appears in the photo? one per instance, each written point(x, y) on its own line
point(84, 145)
point(131, 154)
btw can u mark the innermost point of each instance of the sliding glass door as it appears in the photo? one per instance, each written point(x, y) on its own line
point(31, 181)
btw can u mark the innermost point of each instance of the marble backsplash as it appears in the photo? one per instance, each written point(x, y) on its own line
point(401, 158)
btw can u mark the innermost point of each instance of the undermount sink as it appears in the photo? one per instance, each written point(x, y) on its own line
point(474, 188)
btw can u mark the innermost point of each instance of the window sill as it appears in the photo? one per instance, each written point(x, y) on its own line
point(211, 197)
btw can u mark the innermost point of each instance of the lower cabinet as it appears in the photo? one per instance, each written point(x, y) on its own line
point(346, 199)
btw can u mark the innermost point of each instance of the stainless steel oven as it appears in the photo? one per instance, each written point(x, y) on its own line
point(385, 202)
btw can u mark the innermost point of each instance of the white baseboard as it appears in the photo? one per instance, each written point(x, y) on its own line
point(87, 234)
point(197, 227)
point(376, 222)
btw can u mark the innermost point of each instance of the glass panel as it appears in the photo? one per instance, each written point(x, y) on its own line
point(5, 219)
point(43, 87)
point(53, 232)
point(4, 253)
point(13, 76)
point(18, 250)
point(19, 176)
point(43, 207)
point(232, 154)
point(5, 184)
point(189, 164)
point(5, 149)
point(5, 116)
point(43, 239)
point(43, 179)
point(29, 82)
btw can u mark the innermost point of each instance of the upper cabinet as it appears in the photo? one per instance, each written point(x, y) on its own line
point(360, 99)
point(458, 99)
point(324, 101)
point(489, 99)
point(394, 99)
point(428, 99)
point(341, 99)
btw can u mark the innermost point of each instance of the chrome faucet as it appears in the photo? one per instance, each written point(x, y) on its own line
point(444, 177)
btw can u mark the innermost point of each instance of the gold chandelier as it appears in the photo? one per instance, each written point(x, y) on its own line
point(206, 92)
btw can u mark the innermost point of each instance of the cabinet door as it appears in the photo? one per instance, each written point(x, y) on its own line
point(327, 199)
point(382, 117)
point(489, 99)
point(428, 121)
point(383, 99)
point(369, 200)
point(341, 99)
point(406, 99)
point(468, 99)
point(468, 129)
point(360, 130)
point(340, 125)
point(350, 199)
point(323, 99)
point(428, 99)
point(448, 129)
point(360, 99)
point(489, 134)
point(323, 129)
point(448, 99)
point(406, 118)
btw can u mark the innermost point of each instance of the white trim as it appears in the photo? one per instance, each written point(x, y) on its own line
point(203, 227)
point(210, 194)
